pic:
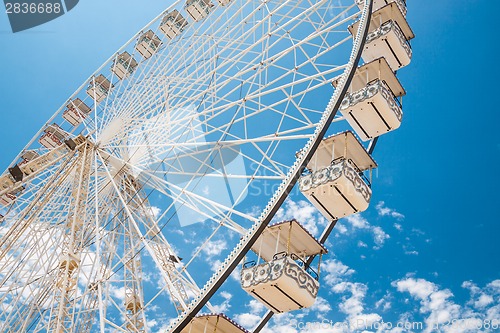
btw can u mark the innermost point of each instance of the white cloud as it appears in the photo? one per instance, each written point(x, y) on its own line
point(311, 218)
point(214, 248)
point(441, 311)
point(117, 292)
point(420, 288)
point(379, 237)
point(252, 318)
point(384, 303)
point(358, 222)
point(337, 275)
point(362, 244)
point(495, 285)
point(321, 305)
point(254, 211)
point(385, 211)
point(340, 228)
point(156, 211)
point(256, 307)
point(483, 301)
point(436, 307)
point(480, 299)
point(353, 304)
point(224, 306)
point(151, 323)
point(334, 271)
point(248, 320)
point(303, 212)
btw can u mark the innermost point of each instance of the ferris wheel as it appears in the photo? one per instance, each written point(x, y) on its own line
point(185, 143)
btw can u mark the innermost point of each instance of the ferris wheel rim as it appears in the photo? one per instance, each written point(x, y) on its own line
point(306, 154)
point(297, 166)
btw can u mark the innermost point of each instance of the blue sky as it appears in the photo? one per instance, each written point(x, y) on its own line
point(433, 222)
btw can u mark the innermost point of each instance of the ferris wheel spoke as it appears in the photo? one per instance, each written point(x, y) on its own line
point(160, 244)
point(225, 106)
point(198, 203)
point(29, 213)
point(141, 236)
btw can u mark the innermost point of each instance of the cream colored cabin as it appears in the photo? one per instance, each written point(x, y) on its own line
point(173, 24)
point(335, 184)
point(198, 9)
point(371, 106)
point(124, 65)
point(377, 4)
point(7, 199)
point(75, 112)
point(99, 88)
point(29, 155)
point(133, 303)
point(283, 282)
point(7, 182)
point(213, 323)
point(53, 136)
point(68, 262)
point(388, 37)
point(223, 2)
point(33, 162)
point(148, 44)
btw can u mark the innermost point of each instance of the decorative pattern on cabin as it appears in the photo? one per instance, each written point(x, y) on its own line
point(332, 173)
point(359, 185)
point(304, 280)
point(273, 270)
point(384, 30)
point(370, 91)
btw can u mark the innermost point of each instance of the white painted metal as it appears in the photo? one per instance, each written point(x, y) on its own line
point(237, 87)
point(42, 162)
